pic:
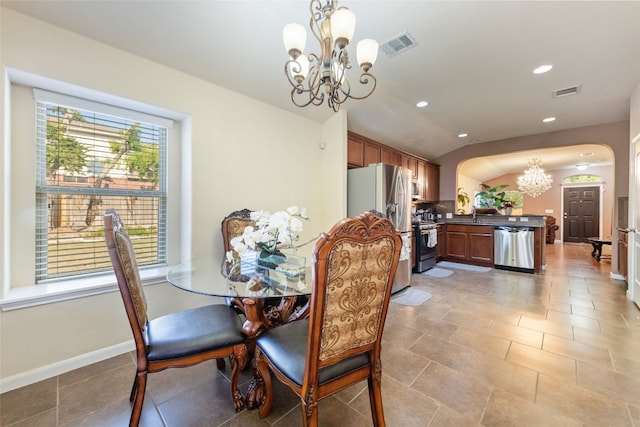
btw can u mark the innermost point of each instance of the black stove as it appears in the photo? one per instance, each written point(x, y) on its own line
point(426, 242)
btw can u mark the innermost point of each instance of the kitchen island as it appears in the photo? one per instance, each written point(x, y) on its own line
point(470, 240)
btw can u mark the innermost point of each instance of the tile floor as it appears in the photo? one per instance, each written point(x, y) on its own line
point(493, 349)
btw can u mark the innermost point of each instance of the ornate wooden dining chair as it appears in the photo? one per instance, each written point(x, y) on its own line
point(277, 310)
point(177, 339)
point(233, 225)
point(339, 344)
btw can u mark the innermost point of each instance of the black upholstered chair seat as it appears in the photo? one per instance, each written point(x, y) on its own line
point(286, 347)
point(193, 331)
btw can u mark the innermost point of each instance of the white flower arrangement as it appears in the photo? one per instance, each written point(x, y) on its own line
point(272, 232)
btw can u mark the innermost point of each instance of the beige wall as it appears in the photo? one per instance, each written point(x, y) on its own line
point(229, 152)
point(613, 135)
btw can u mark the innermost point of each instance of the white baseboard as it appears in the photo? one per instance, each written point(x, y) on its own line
point(616, 276)
point(49, 371)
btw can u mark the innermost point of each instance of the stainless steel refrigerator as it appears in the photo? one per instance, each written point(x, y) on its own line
point(387, 189)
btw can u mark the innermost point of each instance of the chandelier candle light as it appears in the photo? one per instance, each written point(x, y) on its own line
point(534, 181)
point(316, 77)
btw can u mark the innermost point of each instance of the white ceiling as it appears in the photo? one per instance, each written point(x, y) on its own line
point(473, 62)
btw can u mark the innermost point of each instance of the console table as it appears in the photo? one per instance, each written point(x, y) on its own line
point(597, 247)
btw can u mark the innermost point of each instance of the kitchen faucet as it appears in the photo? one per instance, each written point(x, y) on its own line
point(473, 214)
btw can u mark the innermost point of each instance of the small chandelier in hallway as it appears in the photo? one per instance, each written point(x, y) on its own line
point(534, 181)
point(315, 77)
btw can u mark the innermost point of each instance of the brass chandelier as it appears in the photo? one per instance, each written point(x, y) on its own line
point(315, 77)
point(534, 181)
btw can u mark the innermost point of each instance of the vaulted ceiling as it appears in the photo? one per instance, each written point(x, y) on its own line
point(473, 60)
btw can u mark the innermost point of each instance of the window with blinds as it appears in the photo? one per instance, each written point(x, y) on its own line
point(88, 161)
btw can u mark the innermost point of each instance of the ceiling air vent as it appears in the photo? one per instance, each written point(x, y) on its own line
point(573, 90)
point(398, 44)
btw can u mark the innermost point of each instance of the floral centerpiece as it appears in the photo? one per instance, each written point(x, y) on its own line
point(272, 233)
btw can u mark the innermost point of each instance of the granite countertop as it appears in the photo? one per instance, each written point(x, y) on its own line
point(506, 220)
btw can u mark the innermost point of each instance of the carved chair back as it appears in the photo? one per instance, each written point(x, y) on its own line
point(233, 225)
point(354, 266)
point(124, 263)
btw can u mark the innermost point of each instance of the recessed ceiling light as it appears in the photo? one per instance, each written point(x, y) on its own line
point(549, 119)
point(542, 69)
point(587, 154)
point(463, 135)
point(422, 104)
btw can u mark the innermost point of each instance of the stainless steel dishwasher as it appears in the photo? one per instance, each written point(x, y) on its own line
point(513, 248)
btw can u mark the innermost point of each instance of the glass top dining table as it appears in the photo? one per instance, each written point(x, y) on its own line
point(208, 276)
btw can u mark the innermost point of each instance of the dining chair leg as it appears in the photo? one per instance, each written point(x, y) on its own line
point(136, 412)
point(309, 414)
point(134, 389)
point(375, 401)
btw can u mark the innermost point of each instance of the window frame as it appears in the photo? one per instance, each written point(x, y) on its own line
point(17, 288)
point(44, 189)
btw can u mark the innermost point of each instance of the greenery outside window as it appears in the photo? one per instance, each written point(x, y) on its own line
point(579, 179)
point(89, 160)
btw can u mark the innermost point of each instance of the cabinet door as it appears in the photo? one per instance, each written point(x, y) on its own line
point(355, 153)
point(441, 249)
point(623, 253)
point(456, 245)
point(371, 153)
point(411, 163)
point(432, 183)
point(422, 179)
point(481, 247)
point(390, 156)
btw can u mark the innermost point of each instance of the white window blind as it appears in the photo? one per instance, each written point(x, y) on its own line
point(91, 157)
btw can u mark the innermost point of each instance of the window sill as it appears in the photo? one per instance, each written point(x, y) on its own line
point(31, 296)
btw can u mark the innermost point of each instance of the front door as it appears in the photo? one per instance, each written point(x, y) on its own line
point(581, 213)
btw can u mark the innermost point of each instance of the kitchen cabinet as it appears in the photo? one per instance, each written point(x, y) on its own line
point(355, 152)
point(623, 251)
point(422, 179)
point(410, 162)
point(432, 182)
point(362, 151)
point(371, 153)
point(441, 249)
point(390, 156)
point(470, 244)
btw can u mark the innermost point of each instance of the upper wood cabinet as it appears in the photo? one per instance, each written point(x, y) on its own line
point(422, 179)
point(355, 152)
point(371, 153)
point(432, 182)
point(390, 156)
point(410, 162)
point(362, 151)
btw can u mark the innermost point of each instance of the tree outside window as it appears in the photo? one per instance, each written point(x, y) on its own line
point(91, 162)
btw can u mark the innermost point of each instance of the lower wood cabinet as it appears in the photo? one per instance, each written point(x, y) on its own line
point(623, 248)
point(471, 244)
point(441, 248)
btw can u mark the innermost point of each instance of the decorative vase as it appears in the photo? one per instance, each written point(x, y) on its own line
point(271, 260)
point(507, 210)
